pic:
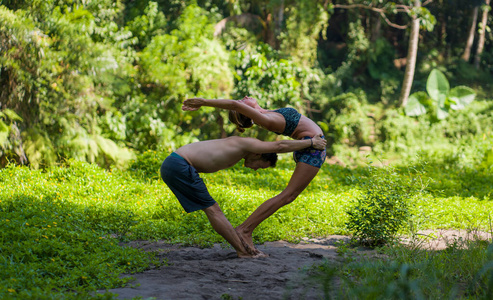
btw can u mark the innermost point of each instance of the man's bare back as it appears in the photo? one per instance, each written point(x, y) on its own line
point(213, 155)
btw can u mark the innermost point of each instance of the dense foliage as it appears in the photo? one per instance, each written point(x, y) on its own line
point(100, 81)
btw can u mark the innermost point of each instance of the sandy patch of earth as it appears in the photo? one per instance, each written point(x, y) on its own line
point(216, 273)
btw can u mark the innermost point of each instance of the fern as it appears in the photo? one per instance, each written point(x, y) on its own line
point(39, 149)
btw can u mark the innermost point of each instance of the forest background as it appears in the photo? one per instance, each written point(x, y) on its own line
point(102, 81)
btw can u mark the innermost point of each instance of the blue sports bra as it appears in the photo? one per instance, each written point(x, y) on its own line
point(292, 117)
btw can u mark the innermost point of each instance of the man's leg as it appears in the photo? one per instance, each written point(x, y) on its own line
point(222, 226)
point(302, 176)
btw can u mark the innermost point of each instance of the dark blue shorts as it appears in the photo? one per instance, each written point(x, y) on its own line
point(184, 181)
point(310, 156)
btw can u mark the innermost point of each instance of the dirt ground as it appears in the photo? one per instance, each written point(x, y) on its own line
point(216, 273)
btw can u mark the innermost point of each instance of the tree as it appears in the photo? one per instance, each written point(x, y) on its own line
point(470, 37)
point(482, 34)
point(55, 75)
point(412, 52)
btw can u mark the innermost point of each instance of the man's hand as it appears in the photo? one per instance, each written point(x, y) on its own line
point(318, 142)
point(193, 104)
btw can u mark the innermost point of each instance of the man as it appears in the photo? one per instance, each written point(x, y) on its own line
point(180, 172)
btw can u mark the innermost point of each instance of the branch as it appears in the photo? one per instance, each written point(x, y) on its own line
point(382, 14)
point(381, 11)
point(359, 6)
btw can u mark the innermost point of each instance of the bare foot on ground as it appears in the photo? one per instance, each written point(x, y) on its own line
point(246, 240)
point(252, 251)
point(259, 254)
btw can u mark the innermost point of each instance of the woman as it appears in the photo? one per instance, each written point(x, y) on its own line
point(286, 121)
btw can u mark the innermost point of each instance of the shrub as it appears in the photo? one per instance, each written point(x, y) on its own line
point(382, 208)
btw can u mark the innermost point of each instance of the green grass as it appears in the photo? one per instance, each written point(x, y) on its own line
point(61, 229)
point(464, 270)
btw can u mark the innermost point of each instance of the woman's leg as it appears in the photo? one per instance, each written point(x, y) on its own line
point(303, 174)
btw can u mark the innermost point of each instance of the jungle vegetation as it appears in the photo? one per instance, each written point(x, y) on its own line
point(101, 81)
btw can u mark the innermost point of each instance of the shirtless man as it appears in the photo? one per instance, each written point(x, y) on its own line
point(180, 172)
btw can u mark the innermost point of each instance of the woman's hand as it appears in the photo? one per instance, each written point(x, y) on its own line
point(193, 104)
point(318, 142)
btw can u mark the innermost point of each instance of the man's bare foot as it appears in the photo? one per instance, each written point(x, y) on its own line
point(260, 254)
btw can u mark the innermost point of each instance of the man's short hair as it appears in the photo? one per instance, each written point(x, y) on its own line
point(270, 157)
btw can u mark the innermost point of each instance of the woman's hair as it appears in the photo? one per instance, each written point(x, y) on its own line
point(241, 121)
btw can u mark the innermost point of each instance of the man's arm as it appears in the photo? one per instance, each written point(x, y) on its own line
point(258, 146)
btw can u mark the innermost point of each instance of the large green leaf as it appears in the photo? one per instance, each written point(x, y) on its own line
point(3, 138)
point(437, 85)
point(461, 96)
point(414, 106)
point(324, 126)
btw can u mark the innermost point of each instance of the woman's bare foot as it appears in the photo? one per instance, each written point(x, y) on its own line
point(252, 252)
point(246, 240)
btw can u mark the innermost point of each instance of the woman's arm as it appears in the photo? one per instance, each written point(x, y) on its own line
point(267, 121)
point(196, 103)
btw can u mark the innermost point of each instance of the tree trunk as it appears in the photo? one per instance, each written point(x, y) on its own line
point(482, 35)
point(411, 59)
point(470, 38)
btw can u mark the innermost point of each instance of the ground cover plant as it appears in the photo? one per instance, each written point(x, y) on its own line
point(55, 237)
point(462, 271)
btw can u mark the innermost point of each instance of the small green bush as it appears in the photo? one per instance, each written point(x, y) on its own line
point(383, 207)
